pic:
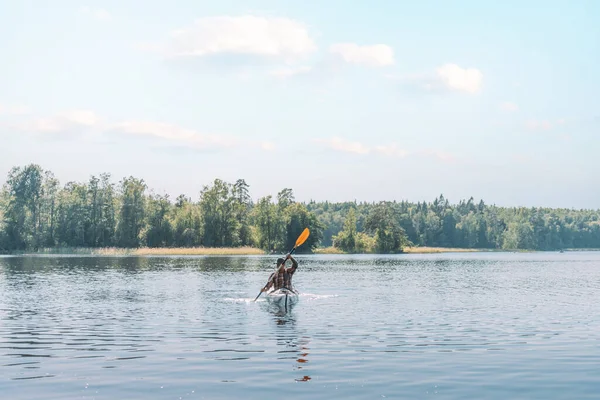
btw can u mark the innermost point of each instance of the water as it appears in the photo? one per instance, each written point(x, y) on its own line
point(454, 326)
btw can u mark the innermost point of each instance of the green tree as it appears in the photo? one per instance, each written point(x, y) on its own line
point(241, 194)
point(187, 223)
point(268, 224)
point(389, 236)
point(73, 215)
point(218, 206)
point(346, 239)
point(23, 207)
point(106, 229)
point(296, 219)
point(131, 213)
point(159, 232)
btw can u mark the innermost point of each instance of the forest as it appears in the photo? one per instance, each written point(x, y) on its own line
point(37, 212)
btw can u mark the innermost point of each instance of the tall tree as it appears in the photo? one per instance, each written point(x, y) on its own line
point(187, 223)
point(297, 218)
point(268, 224)
point(219, 211)
point(73, 215)
point(107, 219)
point(24, 192)
point(243, 201)
point(390, 237)
point(132, 212)
point(346, 239)
point(159, 232)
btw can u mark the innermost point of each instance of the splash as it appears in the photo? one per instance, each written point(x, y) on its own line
point(241, 300)
point(311, 296)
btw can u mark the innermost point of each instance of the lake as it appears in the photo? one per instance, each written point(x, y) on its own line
point(444, 326)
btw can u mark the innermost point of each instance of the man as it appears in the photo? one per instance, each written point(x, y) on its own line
point(282, 278)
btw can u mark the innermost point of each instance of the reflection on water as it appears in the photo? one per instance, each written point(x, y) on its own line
point(294, 344)
point(453, 326)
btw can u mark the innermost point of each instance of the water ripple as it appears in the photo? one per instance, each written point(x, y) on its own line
point(454, 326)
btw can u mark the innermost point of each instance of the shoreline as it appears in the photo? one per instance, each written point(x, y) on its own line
point(249, 251)
point(414, 250)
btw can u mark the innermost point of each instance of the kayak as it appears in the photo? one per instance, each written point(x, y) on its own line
point(283, 296)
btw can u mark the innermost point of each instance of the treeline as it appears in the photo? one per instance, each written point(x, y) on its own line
point(37, 212)
point(467, 224)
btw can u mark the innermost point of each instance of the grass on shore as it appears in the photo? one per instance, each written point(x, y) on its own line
point(407, 250)
point(233, 251)
point(158, 251)
point(328, 250)
point(198, 251)
point(430, 250)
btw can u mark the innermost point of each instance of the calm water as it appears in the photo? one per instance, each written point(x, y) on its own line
point(494, 326)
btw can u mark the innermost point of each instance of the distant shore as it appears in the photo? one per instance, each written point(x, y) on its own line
point(411, 250)
point(238, 251)
point(150, 251)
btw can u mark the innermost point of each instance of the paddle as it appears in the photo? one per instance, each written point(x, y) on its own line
point(301, 239)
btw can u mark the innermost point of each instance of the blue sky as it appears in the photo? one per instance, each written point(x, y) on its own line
point(379, 100)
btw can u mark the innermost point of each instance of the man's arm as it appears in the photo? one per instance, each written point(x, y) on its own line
point(269, 283)
point(294, 266)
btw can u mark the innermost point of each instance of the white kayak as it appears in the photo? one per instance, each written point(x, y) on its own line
point(283, 296)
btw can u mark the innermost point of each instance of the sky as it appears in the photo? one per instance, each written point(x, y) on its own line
point(338, 100)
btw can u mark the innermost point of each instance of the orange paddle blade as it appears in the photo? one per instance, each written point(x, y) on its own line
point(302, 238)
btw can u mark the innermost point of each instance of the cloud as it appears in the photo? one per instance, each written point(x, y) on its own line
point(268, 146)
point(441, 155)
point(289, 72)
point(461, 79)
point(535, 125)
point(173, 134)
point(80, 123)
point(391, 151)
point(13, 110)
point(66, 122)
point(345, 146)
point(97, 13)
point(446, 78)
point(378, 55)
point(509, 106)
point(270, 38)
point(544, 125)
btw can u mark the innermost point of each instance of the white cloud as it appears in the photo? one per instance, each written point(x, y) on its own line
point(173, 133)
point(538, 125)
point(13, 110)
point(378, 55)
point(80, 117)
point(98, 13)
point(441, 155)
point(73, 122)
point(461, 79)
point(509, 106)
point(290, 72)
point(345, 146)
point(268, 146)
point(268, 37)
point(448, 77)
point(391, 151)
point(60, 123)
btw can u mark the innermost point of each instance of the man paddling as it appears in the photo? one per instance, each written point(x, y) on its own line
point(282, 278)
